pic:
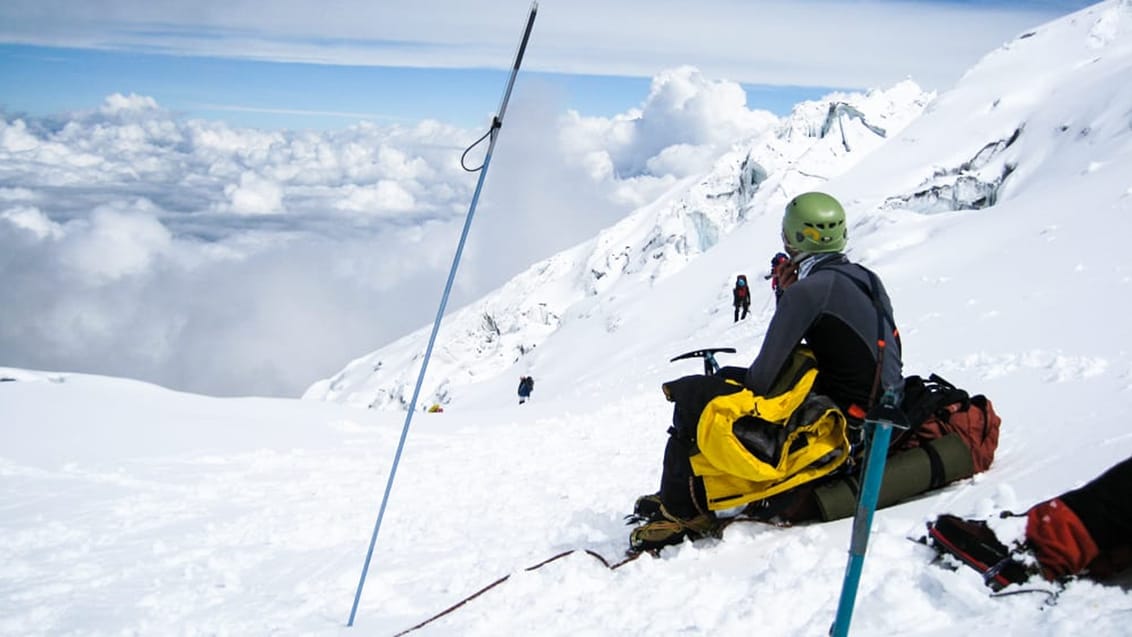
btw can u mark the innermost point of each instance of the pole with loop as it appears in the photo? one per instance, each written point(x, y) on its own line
point(493, 134)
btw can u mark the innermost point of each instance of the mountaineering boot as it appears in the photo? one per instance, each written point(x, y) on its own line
point(645, 509)
point(975, 544)
point(668, 529)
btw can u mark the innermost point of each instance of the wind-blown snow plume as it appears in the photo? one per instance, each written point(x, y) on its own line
point(818, 141)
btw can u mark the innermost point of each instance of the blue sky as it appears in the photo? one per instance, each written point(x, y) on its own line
point(330, 64)
point(50, 80)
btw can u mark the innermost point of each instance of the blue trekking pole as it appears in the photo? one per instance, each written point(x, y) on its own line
point(879, 424)
point(493, 132)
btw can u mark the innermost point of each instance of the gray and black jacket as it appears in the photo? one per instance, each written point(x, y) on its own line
point(831, 308)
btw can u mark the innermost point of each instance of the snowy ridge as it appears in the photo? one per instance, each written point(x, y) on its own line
point(1039, 124)
point(819, 140)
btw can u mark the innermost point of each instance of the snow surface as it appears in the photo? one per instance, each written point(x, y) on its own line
point(132, 509)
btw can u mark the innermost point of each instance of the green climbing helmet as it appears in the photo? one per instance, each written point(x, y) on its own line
point(814, 222)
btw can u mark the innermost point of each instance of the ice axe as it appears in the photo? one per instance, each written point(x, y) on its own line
point(708, 354)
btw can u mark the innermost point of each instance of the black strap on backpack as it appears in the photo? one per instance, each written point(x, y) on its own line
point(876, 409)
point(924, 399)
point(873, 292)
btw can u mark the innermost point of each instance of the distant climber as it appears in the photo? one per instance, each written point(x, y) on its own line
point(742, 297)
point(782, 274)
point(526, 386)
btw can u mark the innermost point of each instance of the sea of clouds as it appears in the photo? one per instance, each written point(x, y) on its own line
point(234, 261)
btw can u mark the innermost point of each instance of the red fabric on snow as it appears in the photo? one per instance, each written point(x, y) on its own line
point(1059, 539)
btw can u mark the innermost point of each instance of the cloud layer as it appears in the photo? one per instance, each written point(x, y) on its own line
point(238, 261)
point(867, 43)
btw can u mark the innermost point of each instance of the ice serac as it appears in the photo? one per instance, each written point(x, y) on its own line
point(1024, 113)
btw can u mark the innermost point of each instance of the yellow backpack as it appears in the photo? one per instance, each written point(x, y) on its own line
point(752, 447)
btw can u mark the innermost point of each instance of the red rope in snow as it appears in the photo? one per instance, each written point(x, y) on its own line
point(613, 567)
point(499, 581)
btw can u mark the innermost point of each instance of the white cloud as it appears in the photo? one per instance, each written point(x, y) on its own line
point(117, 104)
point(15, 137)
point(115, 243)
point(395, 163)
point(31, 219)
point(681, 160)
point(254, 195)
point(384, 196)
point(684, 109)
point(16, 194)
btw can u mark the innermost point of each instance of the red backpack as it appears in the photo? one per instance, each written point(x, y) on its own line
point(935, 407)
point(742, 291)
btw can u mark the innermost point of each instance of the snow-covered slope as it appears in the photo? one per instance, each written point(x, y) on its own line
point(820, 139)
point(129, 509)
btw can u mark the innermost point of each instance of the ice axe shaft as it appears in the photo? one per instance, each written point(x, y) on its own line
point(878, 425)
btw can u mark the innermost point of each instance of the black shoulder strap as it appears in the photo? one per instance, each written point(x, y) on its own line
point(873, 292)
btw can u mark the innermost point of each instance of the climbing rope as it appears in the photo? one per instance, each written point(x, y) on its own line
point(535, 567)
point(1051, 596)
point(629, 557)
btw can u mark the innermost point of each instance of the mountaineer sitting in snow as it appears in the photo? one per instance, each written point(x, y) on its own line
point(851, 354)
